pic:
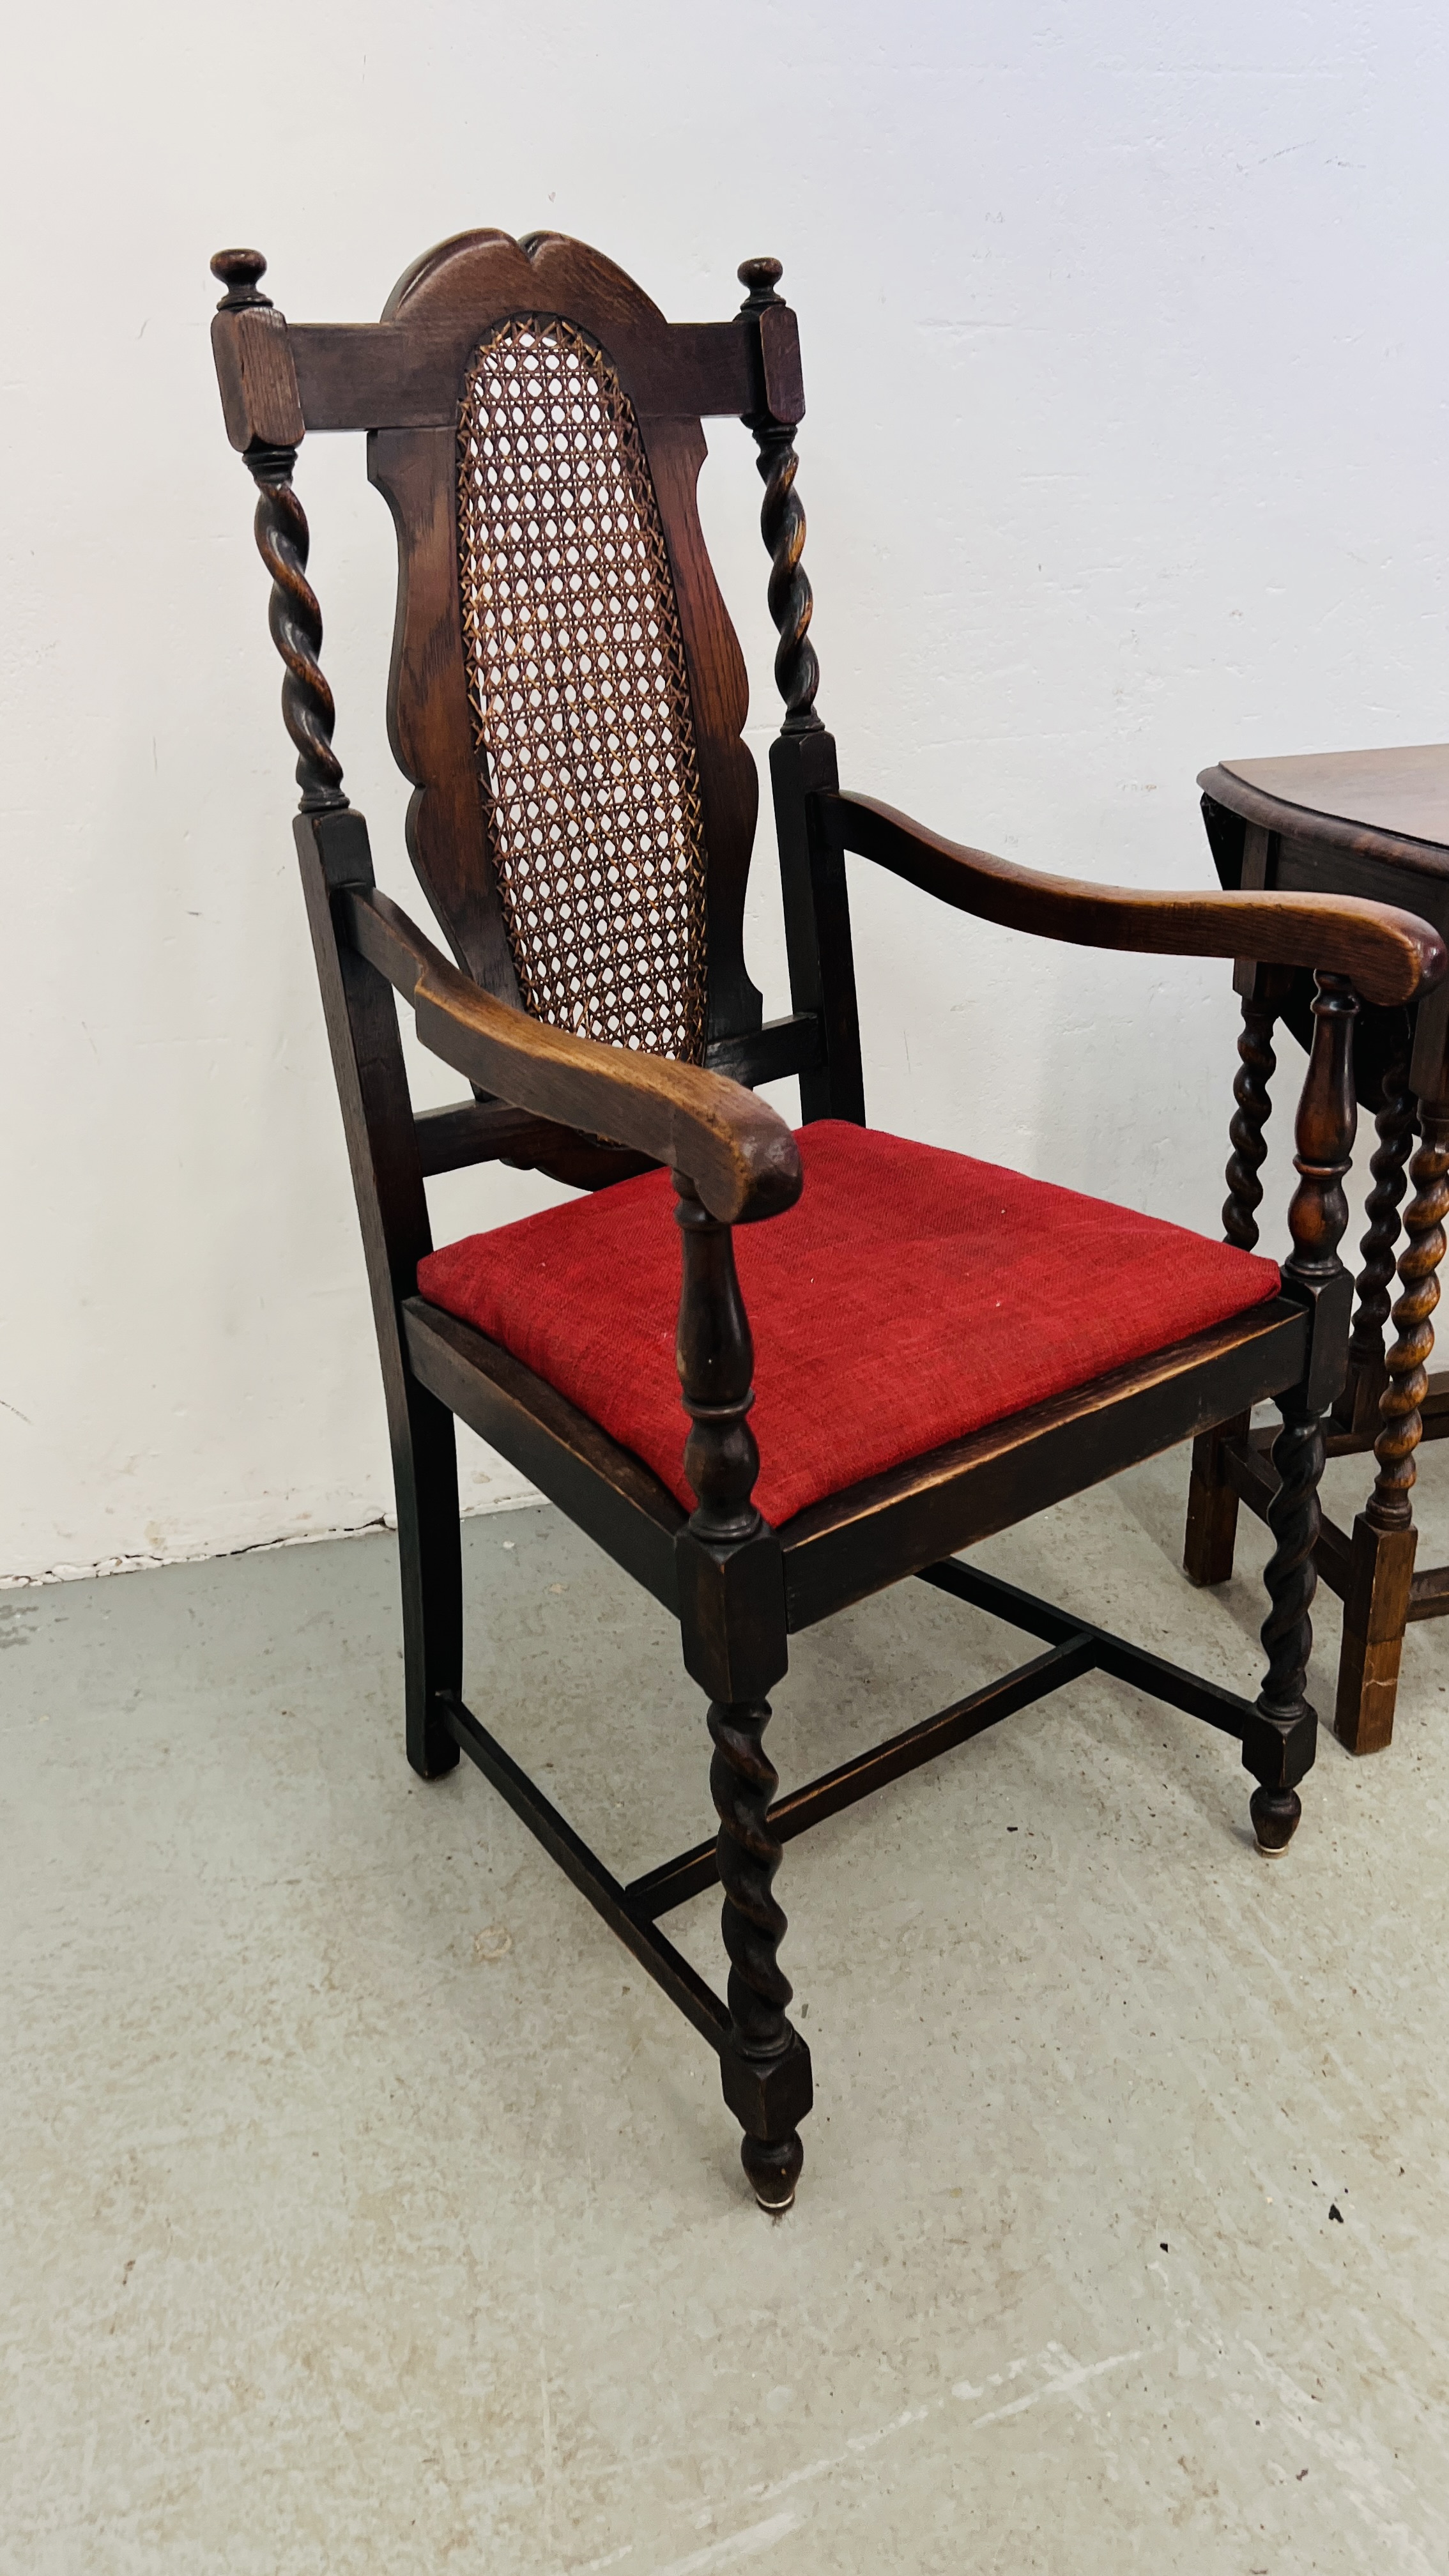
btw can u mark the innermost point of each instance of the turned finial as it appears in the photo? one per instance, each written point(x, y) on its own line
point(761, 276)
point(239, 271)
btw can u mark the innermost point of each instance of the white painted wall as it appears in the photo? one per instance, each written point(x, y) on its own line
point(1126, 449)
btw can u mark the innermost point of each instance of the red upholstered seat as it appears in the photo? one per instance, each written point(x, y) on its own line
point(911, 1296)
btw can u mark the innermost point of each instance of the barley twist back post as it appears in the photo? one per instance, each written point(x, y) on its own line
point(283, 543)
point(1252, 1094)
point(782, 525)
point(1387, 1176)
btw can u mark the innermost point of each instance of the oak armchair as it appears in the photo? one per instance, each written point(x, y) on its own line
point(568, 697)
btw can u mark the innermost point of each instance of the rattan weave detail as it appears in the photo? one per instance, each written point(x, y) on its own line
point(580, 694)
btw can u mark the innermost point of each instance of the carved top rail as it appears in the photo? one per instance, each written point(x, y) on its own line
point(280, 379)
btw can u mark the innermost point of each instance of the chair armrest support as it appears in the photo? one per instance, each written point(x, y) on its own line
point(739, 1154)
point(1390, 955)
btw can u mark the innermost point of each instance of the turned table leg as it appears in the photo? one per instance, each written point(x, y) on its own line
point(1212, 1503)
point(1282, 1750)
point(1376, 1605)
point(1357, 1410)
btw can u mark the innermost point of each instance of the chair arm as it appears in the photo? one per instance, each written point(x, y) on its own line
point(740, 1156)
point(1389, 955)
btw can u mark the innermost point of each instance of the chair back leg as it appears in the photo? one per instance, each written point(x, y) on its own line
point(430, 1566)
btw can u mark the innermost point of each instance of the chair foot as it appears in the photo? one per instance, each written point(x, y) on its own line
point(773, 2167)
point(1276, 1815)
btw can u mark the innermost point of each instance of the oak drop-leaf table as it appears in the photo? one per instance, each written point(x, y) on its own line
point(1370, 823)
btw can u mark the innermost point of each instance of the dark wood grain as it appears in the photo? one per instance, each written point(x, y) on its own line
point(743, 1781)
point(794, 1044)
point(1347, 838)
point(1407, 1359)
point(489, 1131)
point(670, 1970)
point(818, 938)
point(1253, 1098)
point(715, 1356)
point(1390, 954)
point(857, 1542)
point(1378, 1592)
point(591, 1112)
point(738, 1152)
point(1429, 1596)
point(1264, 1750)
point(782, 519)
point(1212, 1504)
point(253, 355)
point(367, 1061)
point(430, 723)
point(1373, 825)
point(484, 1131)
point(253, 358)
point(1402, 793)
point(604, 1489)
point(1248, 1465)
point(1388, 1176)
point(716, 1367)
point(803, 765)
point(457, 292)
point(295, 619)
point(658, 1891)
point(1317, 1216)
point(404, 374)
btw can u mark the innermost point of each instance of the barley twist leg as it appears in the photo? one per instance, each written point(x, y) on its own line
point(743, 1782)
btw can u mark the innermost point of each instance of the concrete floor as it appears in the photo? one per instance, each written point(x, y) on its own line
point(367, 2209)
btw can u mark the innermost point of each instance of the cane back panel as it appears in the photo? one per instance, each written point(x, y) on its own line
point(580, 694)
point(567, 692)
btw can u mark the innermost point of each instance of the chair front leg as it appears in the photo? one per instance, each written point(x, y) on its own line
point(1323, 1134)
point(732, 1616)
point(743, 1782)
